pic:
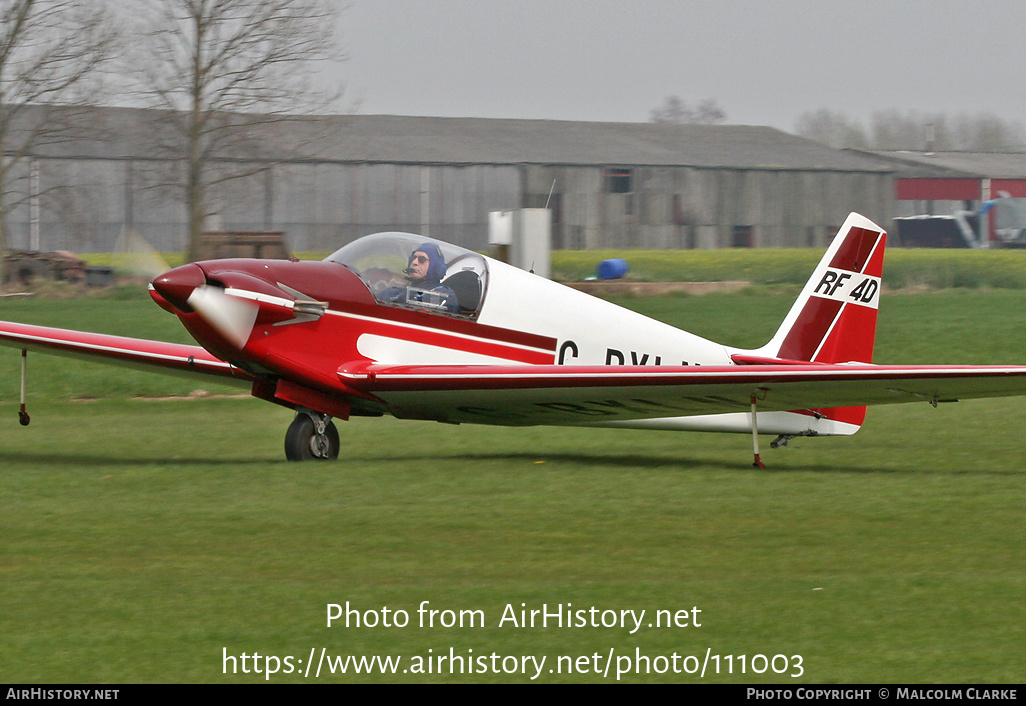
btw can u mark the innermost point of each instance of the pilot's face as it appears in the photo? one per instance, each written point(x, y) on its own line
point(419, 265)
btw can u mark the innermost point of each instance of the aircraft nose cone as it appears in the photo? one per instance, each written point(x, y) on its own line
point(176, 285)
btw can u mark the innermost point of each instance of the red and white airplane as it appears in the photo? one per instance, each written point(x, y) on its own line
point(366, 332)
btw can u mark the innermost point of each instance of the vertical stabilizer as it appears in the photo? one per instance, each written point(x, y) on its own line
point(834, 318)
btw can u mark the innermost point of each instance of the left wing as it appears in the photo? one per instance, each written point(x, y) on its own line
point(156, 356)
point(570, 395)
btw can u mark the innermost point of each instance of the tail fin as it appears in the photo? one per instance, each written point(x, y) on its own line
point(834, 318)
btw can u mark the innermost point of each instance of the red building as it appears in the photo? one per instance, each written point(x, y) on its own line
point(947, 183)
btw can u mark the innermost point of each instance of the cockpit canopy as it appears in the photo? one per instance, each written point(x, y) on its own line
point(385, 263)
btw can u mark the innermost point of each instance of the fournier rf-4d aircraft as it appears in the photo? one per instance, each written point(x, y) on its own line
point(404, 325)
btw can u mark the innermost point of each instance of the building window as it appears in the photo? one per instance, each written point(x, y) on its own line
point(619, 181)
point(744, 237)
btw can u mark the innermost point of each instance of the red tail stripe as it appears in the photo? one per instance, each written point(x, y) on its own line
point(809, 328)
point(848, 415)
point(855, 250)
point(875, 265)
point(851, 338)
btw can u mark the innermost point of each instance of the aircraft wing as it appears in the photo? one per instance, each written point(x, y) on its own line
point(523, 395)
point(156, 356)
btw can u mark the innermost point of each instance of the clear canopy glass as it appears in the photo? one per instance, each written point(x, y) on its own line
point(385, 263)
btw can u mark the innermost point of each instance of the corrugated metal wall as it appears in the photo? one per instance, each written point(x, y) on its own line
point(679, 207)
point(83, 204)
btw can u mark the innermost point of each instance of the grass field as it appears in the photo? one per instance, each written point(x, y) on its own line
point(904, 267)
point(142, 540)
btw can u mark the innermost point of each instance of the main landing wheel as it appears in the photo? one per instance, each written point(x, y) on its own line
point(309, 440)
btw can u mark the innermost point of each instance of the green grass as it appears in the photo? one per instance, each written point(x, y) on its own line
point(950, 326)
point(129, 263)
point(141, 538)
point(67, 378)
point(903, 268)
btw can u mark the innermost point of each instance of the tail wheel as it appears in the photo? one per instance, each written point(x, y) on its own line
point(309, 439)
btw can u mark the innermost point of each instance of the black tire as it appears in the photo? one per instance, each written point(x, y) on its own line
point(303, 443)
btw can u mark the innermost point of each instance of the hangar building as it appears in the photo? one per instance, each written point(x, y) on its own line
point(609, 185)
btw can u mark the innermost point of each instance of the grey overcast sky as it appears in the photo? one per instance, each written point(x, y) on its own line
point(765, 62)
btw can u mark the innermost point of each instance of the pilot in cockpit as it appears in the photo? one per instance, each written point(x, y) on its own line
point(424, 272)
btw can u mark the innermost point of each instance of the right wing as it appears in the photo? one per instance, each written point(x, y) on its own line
point(561, 394)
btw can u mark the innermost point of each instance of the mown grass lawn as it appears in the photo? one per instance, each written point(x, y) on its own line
point(142, 540)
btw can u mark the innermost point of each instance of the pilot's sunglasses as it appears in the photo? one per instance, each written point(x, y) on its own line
point(420, 259)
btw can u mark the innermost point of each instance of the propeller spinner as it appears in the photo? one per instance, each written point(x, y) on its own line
point(234, 303)
point(186, 290)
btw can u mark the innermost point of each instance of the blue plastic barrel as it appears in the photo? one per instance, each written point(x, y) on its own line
point(613, 269)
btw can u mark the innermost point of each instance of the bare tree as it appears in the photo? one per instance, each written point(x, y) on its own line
point(675, 110)
point(894, 130)
point(832, 129)
point(50, 53)
point(985, 131)
point(912, 130)
point(226, 69)
point(709, 112)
